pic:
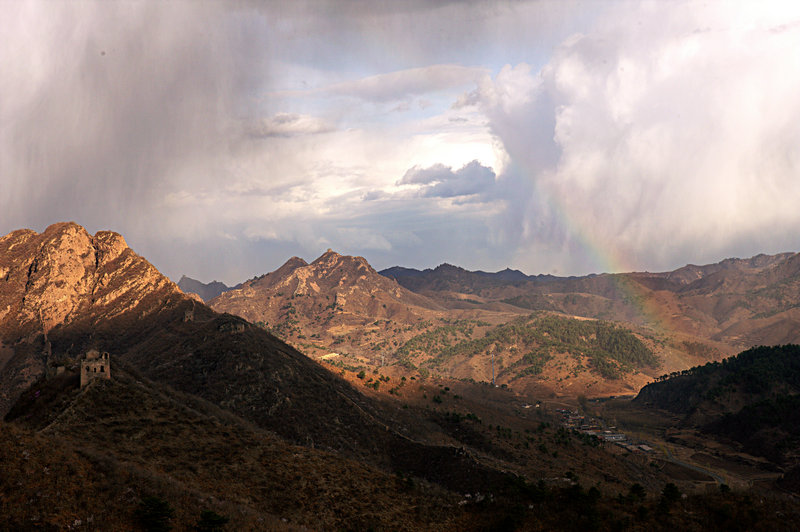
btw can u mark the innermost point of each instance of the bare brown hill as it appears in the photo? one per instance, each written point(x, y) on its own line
point(337, 306)
point(335, 286)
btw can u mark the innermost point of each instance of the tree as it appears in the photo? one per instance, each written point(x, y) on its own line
point(154, 514)
point(637, 492)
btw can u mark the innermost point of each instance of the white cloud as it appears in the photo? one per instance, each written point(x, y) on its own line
point(443, 182)
point(667, 133)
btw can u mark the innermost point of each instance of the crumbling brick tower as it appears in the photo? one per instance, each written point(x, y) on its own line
point(96, 365)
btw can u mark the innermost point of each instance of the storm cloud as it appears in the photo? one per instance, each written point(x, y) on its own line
point(106, 106)
point(668, 134)
point(221, 138)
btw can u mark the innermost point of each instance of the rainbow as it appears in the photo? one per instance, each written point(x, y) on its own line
point(611, 261)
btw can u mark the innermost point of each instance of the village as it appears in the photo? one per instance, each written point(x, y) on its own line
point(573, 419)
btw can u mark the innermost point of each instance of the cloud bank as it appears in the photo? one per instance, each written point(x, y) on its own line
point(221, 138)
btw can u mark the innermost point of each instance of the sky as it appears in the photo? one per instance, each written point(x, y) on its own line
point(561, 137)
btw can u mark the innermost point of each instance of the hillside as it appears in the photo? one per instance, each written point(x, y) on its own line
point(535, 353)
point(127, 453)
point(751, 398)
point(146, 440)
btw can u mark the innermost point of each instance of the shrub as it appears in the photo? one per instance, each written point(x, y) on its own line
point(211, 521)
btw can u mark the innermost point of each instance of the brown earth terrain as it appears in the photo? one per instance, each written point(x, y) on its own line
point(340, 311)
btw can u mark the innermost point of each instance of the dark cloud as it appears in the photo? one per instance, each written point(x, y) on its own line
point(290, 125)
point(439, 181)
point(108, 103)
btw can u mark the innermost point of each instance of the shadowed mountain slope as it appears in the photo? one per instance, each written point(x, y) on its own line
point(752, 398)
point(158, 442)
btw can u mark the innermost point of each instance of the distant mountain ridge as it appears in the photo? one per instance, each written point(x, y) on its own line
point(449, 277)
point(206, 291)
point(741, 302)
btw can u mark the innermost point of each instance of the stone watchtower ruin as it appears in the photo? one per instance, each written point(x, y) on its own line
point(96, 365)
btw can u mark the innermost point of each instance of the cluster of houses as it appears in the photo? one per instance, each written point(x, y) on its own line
point(572, 419)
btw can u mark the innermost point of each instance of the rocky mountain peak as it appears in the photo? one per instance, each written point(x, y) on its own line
point(109, 245)
point(329, 257)
point(448, 268)
point(332, 263)
point(64, 272)
point(290, 265)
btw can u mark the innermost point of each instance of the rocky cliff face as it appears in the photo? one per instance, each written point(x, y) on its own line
point(61, 277)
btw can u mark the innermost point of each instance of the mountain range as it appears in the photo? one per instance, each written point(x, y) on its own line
point(739, 302)
point(376, 412)
point(338, 309)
